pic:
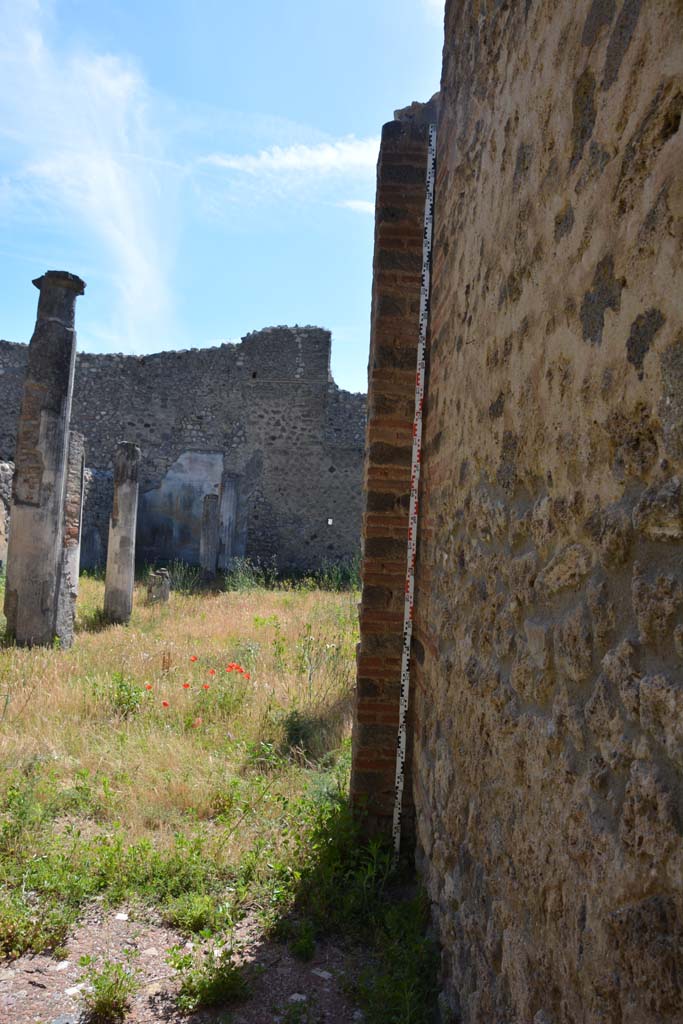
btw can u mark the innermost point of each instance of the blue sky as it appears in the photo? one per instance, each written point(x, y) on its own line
point(208, 168)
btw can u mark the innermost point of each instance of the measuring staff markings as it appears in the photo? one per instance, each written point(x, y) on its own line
point(414, 488)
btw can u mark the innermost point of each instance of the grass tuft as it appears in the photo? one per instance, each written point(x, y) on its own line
point(210, 977)
point(109, 988)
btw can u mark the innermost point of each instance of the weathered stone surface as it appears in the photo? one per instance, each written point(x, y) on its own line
point(547, 773)
point(654, 602)
point(71, 540)
point(34, 556)
point(6, 474)
point(158, 587)
point(659, 513)
point(566, 569)
point(120, 578)
point(208, 549)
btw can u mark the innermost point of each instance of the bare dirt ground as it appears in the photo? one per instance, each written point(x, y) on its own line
point(283, 990)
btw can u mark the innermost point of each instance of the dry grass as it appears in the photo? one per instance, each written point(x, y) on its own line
point(225, 755)
point(228, 799)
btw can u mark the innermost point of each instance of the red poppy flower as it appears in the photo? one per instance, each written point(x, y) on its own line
point(164, 703)
point(205, 686)
point(193, 657)
point(247, 676)
point(212, 671)
point(186, 686)
point(148, 686)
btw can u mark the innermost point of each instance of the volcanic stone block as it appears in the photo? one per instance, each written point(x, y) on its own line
point(118, 590)
point(208, 546)
point(71, 551)
point(34, 555)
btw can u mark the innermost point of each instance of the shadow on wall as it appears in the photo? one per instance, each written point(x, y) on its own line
point(170, 516)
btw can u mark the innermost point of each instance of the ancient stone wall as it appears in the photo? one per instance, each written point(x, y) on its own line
point(267, 410)
point(547, 678)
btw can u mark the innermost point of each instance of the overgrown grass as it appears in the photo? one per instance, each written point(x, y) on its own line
point(197, 762)
point(246, 574)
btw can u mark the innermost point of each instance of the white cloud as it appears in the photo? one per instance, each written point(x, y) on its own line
point(359, 206)
point(346, 157)
point(287, 176)
point(79, 146)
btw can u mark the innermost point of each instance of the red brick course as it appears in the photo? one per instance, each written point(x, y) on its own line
point(401, 182)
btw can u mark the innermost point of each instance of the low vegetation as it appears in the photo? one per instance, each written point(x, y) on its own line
point(196, 762)
point(108, 988)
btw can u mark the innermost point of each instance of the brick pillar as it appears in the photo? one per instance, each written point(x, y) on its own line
point(399, 226)
point(34, 555)
point(71, 540)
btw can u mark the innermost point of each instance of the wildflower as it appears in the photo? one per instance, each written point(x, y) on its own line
point(197, 722)
point(247, 675)
point(148, 686)
point(186, 686)
point(164, 703)
point(193, 657)
point(205, 686)
point(212, 671)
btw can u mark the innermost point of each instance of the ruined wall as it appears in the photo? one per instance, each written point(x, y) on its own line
point(547, 673)
point(267, 408)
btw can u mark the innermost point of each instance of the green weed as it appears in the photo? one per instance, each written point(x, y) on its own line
point(185, 579)
point(125, 695)
point(196, 914)
point(110, 986)
point(208, 978)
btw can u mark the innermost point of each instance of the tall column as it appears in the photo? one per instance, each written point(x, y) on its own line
point(118, 589)
point(397, 278)
point(71, 551)
point(34, 555)
point(208, 542)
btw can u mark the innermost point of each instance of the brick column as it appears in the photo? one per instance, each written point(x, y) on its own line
point(401, 186)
